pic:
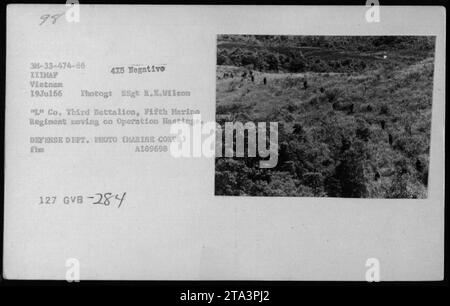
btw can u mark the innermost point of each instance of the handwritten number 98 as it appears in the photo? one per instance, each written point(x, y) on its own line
point(53, 18)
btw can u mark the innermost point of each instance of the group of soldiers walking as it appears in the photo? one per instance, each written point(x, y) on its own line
point(250, 75)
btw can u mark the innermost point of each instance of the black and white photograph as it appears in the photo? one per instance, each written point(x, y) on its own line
point(353, 114)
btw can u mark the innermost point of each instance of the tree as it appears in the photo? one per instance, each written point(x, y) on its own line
point(297, 65)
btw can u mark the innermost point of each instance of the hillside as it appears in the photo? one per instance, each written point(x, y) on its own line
point(364, 133)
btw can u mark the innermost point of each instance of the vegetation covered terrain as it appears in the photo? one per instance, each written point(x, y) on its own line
point(353, 113)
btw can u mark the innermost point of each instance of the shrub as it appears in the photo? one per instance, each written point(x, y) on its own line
point(332, 94)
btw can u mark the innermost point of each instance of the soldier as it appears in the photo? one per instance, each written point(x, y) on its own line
point(390, 139)
point(419, 165)
point(408, 128)
point(298, 129)
point(305, 84)
point(253, 78)
point(346, 144)
point(265, 81)
point(322, 90)
point(383, 124)
point(351, 108)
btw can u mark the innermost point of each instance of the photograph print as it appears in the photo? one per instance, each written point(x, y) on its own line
point(352, 115)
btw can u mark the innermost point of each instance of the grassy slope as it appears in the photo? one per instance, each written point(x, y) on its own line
point(399, 94)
